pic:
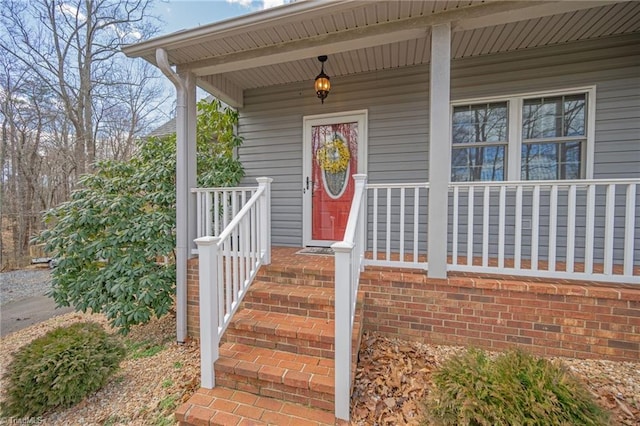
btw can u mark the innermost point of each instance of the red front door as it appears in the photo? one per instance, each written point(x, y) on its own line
point(334, 160)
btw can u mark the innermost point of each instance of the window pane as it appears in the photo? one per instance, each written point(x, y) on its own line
point(574, 107)
point(545, 161)
point(478, 164)
point(553, 117)
point(480, 123)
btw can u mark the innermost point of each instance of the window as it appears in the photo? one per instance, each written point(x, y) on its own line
point(533, 137)
point(479, 142)
point(553, 136)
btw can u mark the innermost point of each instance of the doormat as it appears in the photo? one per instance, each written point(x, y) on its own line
point(324, 251)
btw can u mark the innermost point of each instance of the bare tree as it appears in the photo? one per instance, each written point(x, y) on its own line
point(72, 47)
point(68, 97)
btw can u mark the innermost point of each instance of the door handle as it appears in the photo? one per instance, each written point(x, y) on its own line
point(309, 182)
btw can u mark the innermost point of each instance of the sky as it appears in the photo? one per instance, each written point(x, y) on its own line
point(184, 14)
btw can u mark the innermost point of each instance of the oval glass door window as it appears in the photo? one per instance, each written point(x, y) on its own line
point(335, 158)
point(336, 183)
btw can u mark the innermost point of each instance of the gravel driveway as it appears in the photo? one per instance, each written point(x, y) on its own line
point(16, 285)
point(23, 300)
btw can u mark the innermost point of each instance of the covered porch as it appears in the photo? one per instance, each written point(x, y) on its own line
point(555, 293)
point(431, 244)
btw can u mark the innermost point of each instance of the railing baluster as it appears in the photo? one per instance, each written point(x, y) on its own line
point(470, 209)
point(388, 237)
point(225, 209)
point(517, 255)
point(590, 231)
point(207, 214)
point(571, 229)
point(608, 229)
point(553, 227)
point(416, 221)
point(375, 223)
point(216, 214)
point(254, 238)
point(199, 227)
point(235, 240)
point(501, 225)
point(402, 211)
point(485, 227)
point(454, 248)
point(220, 283)
point(228, 287)
point(244, 267)
point(535, 227)
point(629, 229)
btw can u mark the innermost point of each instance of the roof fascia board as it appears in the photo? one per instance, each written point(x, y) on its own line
point(255, 21)
point(531, 12)
point(356, 38)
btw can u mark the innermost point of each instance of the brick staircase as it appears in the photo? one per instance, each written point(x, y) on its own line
point(276, 362)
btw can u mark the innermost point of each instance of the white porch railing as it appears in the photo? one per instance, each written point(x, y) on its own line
point(582, 229)
point(216, 207)
point(349, 255)
point(398, 224)
point(228, 262)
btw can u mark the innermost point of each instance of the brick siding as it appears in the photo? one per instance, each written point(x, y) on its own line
point(574, 320)
point(548, 319)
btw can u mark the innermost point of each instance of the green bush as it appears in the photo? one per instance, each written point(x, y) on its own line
point(59, 369)
point(514, 388)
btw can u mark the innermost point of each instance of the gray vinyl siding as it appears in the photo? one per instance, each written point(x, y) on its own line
point(397, 104)
point(271, 124)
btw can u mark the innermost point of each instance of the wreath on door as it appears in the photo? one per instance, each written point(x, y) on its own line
point(334, 156)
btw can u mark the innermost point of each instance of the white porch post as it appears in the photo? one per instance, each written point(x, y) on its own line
point(209, 312)
point(439, 149)
point(185, 180)
point(265, 219)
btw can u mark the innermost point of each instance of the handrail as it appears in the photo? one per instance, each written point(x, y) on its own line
point(241, 214)
point(222, 188)
point(216, 207)
point(576, 182)
point(349, 254)
point(227, 266)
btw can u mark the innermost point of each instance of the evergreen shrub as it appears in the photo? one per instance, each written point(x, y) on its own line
point(59, 369)
point(513, 388)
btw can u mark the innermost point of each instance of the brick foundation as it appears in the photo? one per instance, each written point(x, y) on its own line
point(547, 319)
point(575, 320)
point(193, 301)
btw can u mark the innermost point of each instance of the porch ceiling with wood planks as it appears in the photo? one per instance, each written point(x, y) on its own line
point(280, 45)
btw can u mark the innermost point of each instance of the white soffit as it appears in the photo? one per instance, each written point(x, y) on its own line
point(274, 47)
point(603, 21)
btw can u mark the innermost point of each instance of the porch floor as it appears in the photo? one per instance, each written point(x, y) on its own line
point(288, 259)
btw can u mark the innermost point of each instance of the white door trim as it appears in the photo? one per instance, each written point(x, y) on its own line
point(361, 117)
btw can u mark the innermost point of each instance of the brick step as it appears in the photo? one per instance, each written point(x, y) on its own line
point(316, 302)
point(303, 379)
point(297, 275)
point(223, 407)
point(290, 333)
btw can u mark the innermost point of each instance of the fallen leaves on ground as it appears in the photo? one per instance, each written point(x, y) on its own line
point(393, 379)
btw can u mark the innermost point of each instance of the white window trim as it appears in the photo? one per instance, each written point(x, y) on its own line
point(514, 145)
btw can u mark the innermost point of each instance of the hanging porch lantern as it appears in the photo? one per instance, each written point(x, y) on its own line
point(322, 84)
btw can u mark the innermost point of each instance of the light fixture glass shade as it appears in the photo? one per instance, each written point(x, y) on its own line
point(322, 83)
